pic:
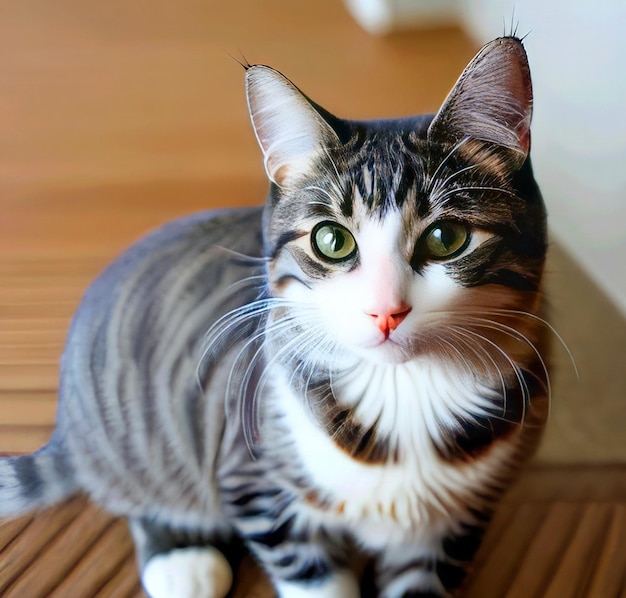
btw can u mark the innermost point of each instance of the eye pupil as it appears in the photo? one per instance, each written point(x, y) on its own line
point(446, 237)
point(334, 240)
point(447, 240)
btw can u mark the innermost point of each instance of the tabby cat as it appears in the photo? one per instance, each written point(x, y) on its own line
point(354, 368)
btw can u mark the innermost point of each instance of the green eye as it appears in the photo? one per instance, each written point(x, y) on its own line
point(333, 242)
point(446, 240)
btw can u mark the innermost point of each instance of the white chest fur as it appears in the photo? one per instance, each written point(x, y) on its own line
point(384, 503)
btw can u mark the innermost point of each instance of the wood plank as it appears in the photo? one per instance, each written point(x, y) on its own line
point(25, 410)
point(536, 565)
point(495, 576)
point(23, 439)
point(590, 482)
point(24, 377)
point(124, 583)
point(10, 529)
point(101, 562)
point(573, 573)
point(17, 556)
point(63, 553)
point(609, 577)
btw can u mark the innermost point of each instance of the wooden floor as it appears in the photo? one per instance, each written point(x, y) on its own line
point(560, 533)
point(118, 116)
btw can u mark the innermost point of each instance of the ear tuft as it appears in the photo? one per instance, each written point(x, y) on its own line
point(290, 131)
point(491, 101)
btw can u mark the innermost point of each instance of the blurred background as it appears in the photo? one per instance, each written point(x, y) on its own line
point(118, 116)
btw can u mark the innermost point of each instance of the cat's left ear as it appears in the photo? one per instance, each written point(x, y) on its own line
point(492, 100)
point(289, 127)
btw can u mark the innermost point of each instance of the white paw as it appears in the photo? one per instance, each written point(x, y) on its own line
point(188, 573)
point(341, 584)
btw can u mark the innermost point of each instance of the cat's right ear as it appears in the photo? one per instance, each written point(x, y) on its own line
point(289, 129)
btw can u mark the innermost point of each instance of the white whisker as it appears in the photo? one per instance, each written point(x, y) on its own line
point(323, 192)
point(516, 334)
point(258, 280)
point(434, 177)
point(444, 196)
point(335, 181)
point(249, 412)
point(254, 260)
point(552, 329)
point(514, 367)
point(440, 186)
point(474, 347)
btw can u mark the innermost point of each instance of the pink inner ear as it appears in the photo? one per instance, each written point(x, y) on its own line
point(519, 87)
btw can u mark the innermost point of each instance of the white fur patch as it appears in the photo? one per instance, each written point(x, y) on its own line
point(188, 573)
point(348, 303)
point(342, 584)
point(392, 503)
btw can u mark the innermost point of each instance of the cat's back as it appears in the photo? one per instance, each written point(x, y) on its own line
point(132, 407)
point(187, 259)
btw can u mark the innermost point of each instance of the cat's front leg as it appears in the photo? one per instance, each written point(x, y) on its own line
point(302, 558)
point(338, 584)
point(429, 568)
point(303, 568)
point(177, 564)
point(402, 574)
point(300, 564)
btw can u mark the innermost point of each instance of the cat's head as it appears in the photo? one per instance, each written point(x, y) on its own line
point(407, 236)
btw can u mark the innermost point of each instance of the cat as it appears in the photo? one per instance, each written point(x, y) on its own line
point(355, 368)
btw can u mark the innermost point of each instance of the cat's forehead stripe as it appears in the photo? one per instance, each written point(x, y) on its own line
point(385, 176)
point(368, 180)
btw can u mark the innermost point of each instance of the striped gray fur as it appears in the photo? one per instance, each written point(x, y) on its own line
point(221, 379)
point(144, 345)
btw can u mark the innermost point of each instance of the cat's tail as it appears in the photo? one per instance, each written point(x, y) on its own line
point(34, 481)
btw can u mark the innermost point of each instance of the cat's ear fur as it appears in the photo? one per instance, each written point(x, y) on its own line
point(289, 127)
point(491, 101)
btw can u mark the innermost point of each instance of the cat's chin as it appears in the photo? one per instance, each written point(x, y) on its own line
point(387, 352)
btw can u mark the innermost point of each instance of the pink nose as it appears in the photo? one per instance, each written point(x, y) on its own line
point(386, 322)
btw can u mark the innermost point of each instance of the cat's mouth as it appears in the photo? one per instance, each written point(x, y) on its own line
point(388, 350)
point(398, 347)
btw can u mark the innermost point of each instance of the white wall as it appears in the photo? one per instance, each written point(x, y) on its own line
point(577, 52)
